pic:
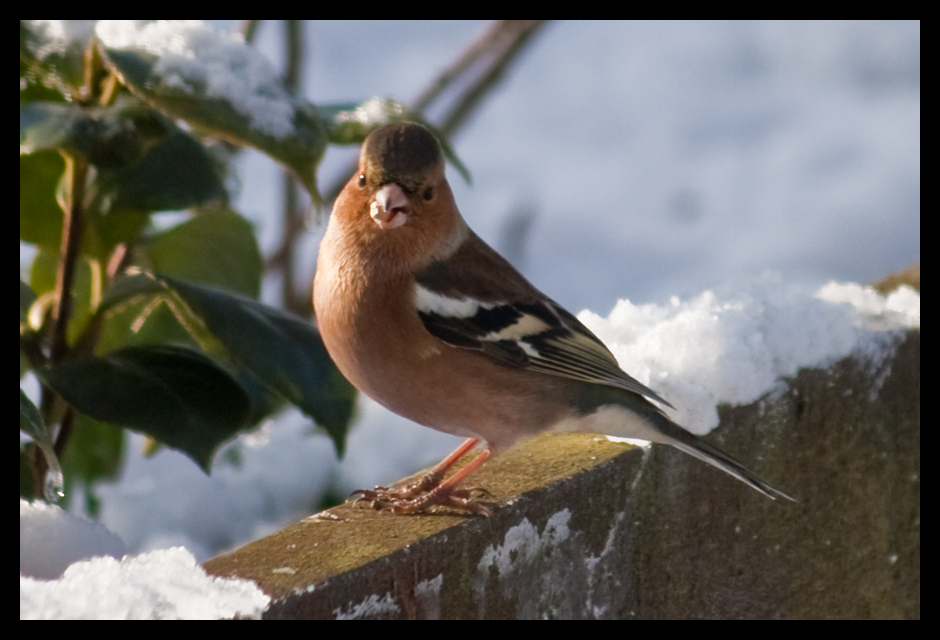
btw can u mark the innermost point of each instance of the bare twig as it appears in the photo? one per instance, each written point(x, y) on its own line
point(507, 39)
point(502, 42)
point(249, 28)
point(477, 49)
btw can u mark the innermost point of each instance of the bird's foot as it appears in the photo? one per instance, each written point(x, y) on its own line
point(422, 485)
point(413, 498)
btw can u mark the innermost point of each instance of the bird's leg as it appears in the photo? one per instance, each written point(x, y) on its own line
point(429, 490)
point(426, 482)
point(446, 494)
point(433, 478)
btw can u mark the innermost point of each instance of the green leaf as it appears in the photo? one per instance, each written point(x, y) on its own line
point(42, 272)
point(143, 160)
point(31, 423)
point(33, 88)
point(47, 125)
point(95, 454)
point(282, 350)
point(138, 310)
point(265, 402)
point(42, 277)
point(217, 248)
point(109, 137)
point(104, 231)
point(148, 320)
point(129, 285)
point(176, 173)
point(178, 396)
point(27, 298)
point(350, 123)
point(40, 214)
point(55, 50)
point(219, 84)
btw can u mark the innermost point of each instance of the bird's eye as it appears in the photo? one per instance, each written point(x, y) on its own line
point(362, 179)
point(428, 193)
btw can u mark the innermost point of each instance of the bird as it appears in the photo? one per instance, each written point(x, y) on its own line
point(422, 316)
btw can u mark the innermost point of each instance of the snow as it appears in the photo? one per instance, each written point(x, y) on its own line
point(730, 346)
point(160, 585)
point(51, 539)
point(733, 345)
point(709, 194)
point(60, 34)
point(521, 544)
point(193, 54)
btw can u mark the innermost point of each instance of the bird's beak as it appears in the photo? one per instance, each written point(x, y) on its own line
point(390, 207)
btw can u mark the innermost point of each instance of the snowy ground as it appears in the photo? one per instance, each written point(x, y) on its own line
point(693, 185)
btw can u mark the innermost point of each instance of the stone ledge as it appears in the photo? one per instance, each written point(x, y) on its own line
point(586, 528)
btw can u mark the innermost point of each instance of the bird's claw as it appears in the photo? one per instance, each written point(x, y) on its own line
point(410, 499)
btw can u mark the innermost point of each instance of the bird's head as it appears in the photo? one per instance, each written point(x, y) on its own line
point(399, 204)
point(401, 166)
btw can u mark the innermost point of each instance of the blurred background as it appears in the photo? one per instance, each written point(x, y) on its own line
point(649, 159)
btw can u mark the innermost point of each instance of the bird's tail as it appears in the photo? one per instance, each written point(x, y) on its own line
point(695, 446)
point(627, 414)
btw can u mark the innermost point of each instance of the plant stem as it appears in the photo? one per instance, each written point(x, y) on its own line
point(293, 215)
point(76, 170)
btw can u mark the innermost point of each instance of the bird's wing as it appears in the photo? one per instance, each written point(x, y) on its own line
point(479, 301)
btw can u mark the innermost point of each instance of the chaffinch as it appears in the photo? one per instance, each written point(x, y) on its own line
point(424, 317)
